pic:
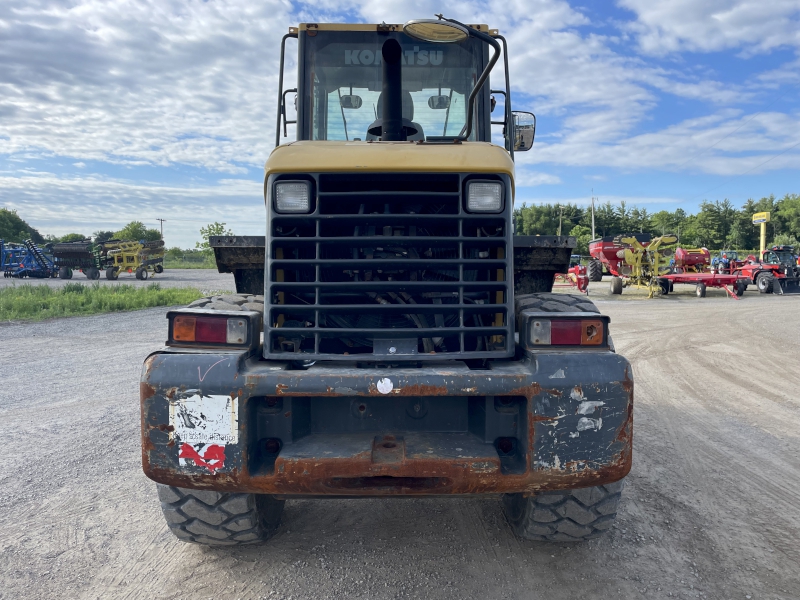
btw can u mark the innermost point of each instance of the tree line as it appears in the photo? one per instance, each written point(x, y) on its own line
point(717, 225)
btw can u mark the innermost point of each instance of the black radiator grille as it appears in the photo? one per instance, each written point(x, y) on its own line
point(389, 266)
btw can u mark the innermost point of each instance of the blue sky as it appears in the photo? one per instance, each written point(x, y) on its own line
point(113, 110)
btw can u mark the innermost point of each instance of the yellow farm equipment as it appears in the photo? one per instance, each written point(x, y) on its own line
point(643, 264)
point(140, 258)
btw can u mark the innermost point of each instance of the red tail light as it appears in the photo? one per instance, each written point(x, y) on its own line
point(575, 330)
point(215, 328)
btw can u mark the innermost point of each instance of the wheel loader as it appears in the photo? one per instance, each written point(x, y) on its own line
point(389, 335)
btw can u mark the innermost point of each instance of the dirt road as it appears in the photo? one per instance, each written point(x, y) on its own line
point(712, 507)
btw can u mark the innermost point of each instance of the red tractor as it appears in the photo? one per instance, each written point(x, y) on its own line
point(608, 255)
point(776, 272)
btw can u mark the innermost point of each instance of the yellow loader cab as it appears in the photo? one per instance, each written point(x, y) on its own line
point(390, 336)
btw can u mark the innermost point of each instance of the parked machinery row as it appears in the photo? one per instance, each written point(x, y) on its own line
point(639, 259)
point(113, 256)
point(25, 260)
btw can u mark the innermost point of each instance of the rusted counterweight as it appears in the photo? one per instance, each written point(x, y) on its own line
point(245, 425)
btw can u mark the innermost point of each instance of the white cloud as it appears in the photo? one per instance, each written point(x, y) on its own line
point(158, 82)
point(56, 204)
point(529, 178)
point(711, 25)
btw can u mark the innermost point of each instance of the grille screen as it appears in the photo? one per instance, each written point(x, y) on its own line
point(388, 265)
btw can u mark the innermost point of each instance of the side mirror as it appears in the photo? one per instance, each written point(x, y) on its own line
point(524, 130)
point(439, 102)
point(350, 101)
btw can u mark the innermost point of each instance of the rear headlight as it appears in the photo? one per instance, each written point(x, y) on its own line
point(213, 328)
point(484, 196)
point(293, 197)
point(566, 329)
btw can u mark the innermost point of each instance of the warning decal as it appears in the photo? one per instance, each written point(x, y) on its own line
point(203, 426)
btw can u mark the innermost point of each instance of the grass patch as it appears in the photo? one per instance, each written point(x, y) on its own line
point(38, 302)
point(189, 264)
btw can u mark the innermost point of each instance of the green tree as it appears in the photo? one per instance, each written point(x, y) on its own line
point(215, 228)
point(14, 229)
point(136, 231)
point(72, 237)
point(102, 236)
point(584, 235)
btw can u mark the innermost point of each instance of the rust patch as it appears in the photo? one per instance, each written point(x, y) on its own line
point(529, 391)
point(281, 388)
point(146, 391)
point(422, 390)
point(147, 443)
point(287, 414)
point(627, 383)
point(321, 477)
point(166, 428)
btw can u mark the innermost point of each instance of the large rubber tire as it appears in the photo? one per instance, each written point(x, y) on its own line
point(564, 516)
point(158, 268)
point(65, 273)
point(616, 285)
point(740, 288)
point(595, 270)
point(665, 285)
point(764, 282)
point(234, 302)
point(218, 518)
point(92, 273)
point(700, 290)
point(112, 274)
point(548, 302)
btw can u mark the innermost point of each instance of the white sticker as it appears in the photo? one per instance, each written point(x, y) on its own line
point(385, 385)
point(199, 420)
point(203, 426)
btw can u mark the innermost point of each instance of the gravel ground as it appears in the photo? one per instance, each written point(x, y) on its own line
point(710, 511)
point(202, 279)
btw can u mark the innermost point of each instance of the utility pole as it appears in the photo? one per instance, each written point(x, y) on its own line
point(594, 237)
point(560, 215)
point(162, 227)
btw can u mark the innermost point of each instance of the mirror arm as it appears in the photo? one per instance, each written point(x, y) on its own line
point(281, 95)
point(283, 110)
point(484, 76)
point(508, 130)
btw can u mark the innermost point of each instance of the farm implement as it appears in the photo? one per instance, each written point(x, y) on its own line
point(25, 260)
point(140, 258)
point(608, 254)
point(732, 284)
point(81, 256)
point(576, 276)
point(640, 263)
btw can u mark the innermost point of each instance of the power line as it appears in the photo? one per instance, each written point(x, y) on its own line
point(746, 172)
point(738, 128)
point(162, 227)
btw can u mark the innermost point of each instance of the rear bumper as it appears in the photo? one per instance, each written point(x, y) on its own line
point(232, 422)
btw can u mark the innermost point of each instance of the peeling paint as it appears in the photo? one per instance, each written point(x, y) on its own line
point(587, 407)
point(558, 374)
point(586, 424)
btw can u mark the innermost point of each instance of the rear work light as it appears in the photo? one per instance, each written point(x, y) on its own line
point(565, 329)
point(213, 328)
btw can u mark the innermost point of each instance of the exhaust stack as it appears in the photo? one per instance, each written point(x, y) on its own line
point(392, 129)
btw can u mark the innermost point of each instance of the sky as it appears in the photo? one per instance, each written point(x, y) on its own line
point(115, 110)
